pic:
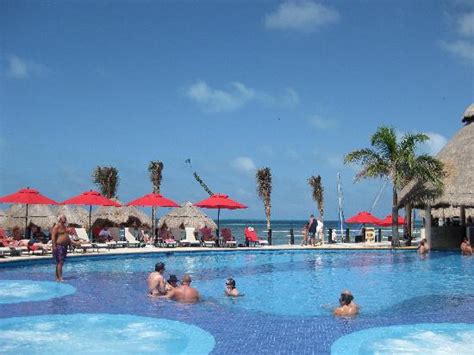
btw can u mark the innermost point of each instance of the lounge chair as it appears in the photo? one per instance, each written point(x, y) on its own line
point(252, 237)
point(119, 242)
point(190, 239)
point(84, 239)
point(227, 238)
point(132, 241)
point(208, 239)
point(4, 251)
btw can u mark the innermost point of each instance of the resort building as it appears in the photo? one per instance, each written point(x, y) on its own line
point(448, 217)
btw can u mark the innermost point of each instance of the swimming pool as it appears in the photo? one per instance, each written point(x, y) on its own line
point(286, 307)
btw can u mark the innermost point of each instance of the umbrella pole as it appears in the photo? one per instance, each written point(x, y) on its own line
point(90, 224)
point(26, 222)
point(218, 216)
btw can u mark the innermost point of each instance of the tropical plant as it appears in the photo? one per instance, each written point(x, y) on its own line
point(198, 179)
point(318, 193)
point(106, 178)
point(397, 160)
point(264, 190)
point(155, 168)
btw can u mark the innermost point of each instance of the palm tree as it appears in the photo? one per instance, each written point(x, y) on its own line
point(264, 190)
point(318, 193)
point(397, 161)
point(107, 180)
point(155, 168)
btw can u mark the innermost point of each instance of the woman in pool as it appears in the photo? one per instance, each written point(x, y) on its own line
point(347, 306)
point(230, 289)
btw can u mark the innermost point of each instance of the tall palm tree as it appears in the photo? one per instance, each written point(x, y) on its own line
point(155, 168)
point(397, 161)
point(264, 190)
point(107, 180)
point(318, 193)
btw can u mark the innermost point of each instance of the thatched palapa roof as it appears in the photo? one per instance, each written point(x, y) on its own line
point(74, 214)
point(448, 212)
point(40, 215)
point(120, 215)
point(458, 158)
point(187, 215)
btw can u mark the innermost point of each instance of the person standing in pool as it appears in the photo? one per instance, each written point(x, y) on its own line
point(156, 281)
point(61, 241)
point(347, 305)
point(171, 283)
point(184, 293)
point(231, 289)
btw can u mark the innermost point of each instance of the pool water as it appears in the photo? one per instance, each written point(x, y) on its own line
point(287, 305)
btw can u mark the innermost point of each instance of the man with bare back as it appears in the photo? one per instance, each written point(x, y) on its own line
point(61, 241)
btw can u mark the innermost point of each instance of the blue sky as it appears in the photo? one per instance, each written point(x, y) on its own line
point(231, 85)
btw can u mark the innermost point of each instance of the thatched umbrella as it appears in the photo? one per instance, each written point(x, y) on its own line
point(74, 215)
point(40, 215)
point(448, 212)
point(120, 215)
point(188, 216)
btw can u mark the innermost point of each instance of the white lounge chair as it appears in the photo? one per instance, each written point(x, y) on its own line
point(132, 241)
point(119, 242)
point(84, 239)
point(190, 239)
point(4, 251)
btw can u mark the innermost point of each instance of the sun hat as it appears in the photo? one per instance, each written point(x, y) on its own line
point(173, 278)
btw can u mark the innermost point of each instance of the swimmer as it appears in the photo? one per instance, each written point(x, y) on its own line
point(466, 248)
point(347, 306)
point(423, 248)
point(156, 281)
point(230, 289)
point(184, 293)
point(171, 283)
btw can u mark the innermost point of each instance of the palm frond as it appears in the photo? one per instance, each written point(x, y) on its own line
point(155, 168)
point(106, 178)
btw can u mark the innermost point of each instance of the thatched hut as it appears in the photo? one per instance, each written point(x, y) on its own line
point(40, 215)
point(458, 158)
point(75, 215)
point(187, 216)
point(120, 216)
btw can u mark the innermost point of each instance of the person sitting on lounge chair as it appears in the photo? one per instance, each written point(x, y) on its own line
point(466, 248)
point(104, 235)
point(347, 305)
point(207, 235)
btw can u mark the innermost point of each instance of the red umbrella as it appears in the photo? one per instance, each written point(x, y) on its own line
point(27, 197)
point(153, 200)
point(387, 221)
point(219, 201)
point(364, 217)
point(90, 198)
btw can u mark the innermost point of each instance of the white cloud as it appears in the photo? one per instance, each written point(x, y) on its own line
point(236, 96)
point(460, 48)
point(304, 16)
point(244, 164)
point(322, 123)
point(20, 68)
point(466, 25)
point(435, 143)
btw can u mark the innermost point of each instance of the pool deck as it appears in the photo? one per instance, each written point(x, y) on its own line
point(147, 250)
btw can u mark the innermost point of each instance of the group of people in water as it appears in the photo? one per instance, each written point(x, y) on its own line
point(185, 293)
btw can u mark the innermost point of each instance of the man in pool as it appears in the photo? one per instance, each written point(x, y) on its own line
point(423, 248)
point(60, 240)
point(347, 306)
point(466, 248)
point(230, 289)
point(156, 281)
point(184, 293)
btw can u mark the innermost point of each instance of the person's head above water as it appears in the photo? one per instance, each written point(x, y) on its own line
point(230, 283)
point(186, 280)
point(159, 266)
point(173, 279)
point(346, 298)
